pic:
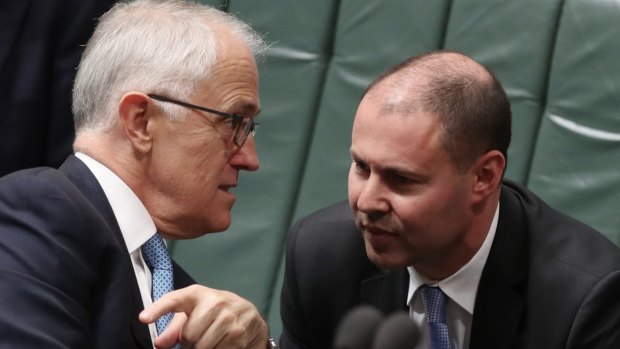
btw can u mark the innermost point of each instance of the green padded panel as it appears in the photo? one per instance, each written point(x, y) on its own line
point(325, 52)
point(576, 166)
point(246, 258)
point(370, 36)
point(515, 40)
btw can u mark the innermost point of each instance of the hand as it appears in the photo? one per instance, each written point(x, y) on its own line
point(208, 318)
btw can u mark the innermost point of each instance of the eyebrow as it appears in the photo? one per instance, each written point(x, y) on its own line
point(249, 107)
point(393, 168)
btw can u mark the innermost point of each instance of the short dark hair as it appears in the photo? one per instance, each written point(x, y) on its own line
point(467, 98)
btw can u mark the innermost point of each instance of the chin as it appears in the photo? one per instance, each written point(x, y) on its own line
point(202, 228)
point(219, 226)
point(385, 260)
point(213, 218)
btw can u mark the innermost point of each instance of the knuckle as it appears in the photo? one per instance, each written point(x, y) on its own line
point(194, 289)
point(228, 317)
point(236, 332)
point(186, 340)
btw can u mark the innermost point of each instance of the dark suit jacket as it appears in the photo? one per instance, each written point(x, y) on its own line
point(41, 42)
point(549, 281)
point(66, 280)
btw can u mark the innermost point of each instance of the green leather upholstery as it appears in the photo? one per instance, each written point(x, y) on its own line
point(559, 61)
point(576, 161)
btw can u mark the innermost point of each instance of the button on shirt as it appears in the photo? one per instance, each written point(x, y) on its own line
point(460, 288)
point(135, 223)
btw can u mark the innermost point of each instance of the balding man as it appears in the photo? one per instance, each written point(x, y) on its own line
point(430, 228)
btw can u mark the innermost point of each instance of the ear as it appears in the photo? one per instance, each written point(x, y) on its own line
point(488, 172)
point(134, 118)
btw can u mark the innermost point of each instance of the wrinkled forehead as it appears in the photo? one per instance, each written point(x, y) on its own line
point(232, 84)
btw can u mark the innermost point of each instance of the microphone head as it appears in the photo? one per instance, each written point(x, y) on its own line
point(398, 331)
point(357, 328)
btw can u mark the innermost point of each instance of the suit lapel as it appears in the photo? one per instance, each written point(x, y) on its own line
point(81, 176)
point(181, 277)
point(387, 292)
point(86, 182)
point(500, 301)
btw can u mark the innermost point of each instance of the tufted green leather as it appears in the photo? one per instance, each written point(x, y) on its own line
point(559, 61)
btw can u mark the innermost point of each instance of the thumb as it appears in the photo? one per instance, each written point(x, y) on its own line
point(171, 334)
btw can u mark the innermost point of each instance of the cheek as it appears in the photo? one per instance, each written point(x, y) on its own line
point(422, 213)
point(198, 169)
point(353, 187)
point(356, 186)
point(208, 167)
point(207, 156)
point(434, 218)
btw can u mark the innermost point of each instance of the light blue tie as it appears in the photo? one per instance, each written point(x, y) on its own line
point(435, 304)
point(158, 260)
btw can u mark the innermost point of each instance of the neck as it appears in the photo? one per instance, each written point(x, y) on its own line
point(455, 256)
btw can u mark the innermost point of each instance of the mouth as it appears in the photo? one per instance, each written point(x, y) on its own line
point(372, 230)
point(226, 187)
point(380, 239)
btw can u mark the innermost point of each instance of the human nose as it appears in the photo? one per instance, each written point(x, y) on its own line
point(373, 196)
point(246, 157)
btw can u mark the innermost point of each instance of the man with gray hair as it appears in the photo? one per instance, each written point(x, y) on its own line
point(164, 104)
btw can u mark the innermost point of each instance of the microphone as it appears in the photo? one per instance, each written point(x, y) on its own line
point(357, 328)
point(398, 331)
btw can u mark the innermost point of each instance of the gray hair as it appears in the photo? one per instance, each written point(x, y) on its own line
point(154, 46)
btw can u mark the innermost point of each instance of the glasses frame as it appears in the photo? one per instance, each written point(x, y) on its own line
point(239, 138)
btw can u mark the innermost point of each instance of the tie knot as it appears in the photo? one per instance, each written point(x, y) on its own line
point(435, 303)
point(156, 254)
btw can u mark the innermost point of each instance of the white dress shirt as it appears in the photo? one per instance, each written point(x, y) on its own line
point(135, 222)
point(460, 288)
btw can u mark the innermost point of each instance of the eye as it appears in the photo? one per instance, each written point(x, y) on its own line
point(360, 165)
point(400, 179)
point(235, 120)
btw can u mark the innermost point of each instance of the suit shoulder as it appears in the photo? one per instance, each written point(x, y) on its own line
point(333, 223)
point(40, 186)
point(338, 212)
point(44, 199)
point(329, 233)
point(558, 238)
point(34, 178)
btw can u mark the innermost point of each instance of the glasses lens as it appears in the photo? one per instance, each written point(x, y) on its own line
point(243, 129)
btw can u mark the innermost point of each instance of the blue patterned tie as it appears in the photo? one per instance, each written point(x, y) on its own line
point(158, 260)
point(435, 304)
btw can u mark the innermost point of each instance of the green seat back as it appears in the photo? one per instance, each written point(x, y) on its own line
point(558, 60)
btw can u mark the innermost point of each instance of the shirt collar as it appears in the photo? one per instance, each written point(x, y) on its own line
point(134, 220)
point(462, 286)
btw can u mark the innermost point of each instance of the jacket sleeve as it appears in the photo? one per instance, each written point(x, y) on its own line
point(294, 334)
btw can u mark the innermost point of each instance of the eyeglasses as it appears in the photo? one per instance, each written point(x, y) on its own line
point(242, 126)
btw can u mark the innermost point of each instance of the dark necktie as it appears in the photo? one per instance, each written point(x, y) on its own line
point(435, 305)
point(158, 260)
